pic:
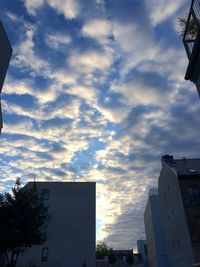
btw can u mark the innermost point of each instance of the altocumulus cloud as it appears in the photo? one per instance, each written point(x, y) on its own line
point(95, 92)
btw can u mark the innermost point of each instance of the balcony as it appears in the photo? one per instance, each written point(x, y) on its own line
point(192, 27)
point(191, 40)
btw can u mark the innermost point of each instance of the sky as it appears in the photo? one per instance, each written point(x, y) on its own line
point(95, 92)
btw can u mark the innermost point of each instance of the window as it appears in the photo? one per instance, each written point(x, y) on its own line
point(145, 249)
point(45, 193)
point(45, 252)
point(194, 194)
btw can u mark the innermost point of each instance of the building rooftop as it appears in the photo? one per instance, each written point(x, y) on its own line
point(182, 166)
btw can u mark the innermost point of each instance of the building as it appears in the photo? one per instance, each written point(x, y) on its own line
point(122, 257)
point(5, 55)
point(156, 243)
point(179, 197)
point(191, 40)
point(71, 229)
point(143, 251)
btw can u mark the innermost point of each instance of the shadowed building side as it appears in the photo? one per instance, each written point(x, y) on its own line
point(179, 197)
point(5, 55)
point(154, 229)
point(72, 227)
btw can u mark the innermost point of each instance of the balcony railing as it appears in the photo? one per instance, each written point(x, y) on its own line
point(192, 27)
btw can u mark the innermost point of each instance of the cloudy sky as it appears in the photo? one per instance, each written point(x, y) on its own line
point(96, 92)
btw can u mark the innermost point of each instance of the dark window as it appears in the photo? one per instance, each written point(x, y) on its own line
point(45, 194)
point(45, 252)
point(172, 211)
point(178, 243)
point(194, 194)
point(145, 249)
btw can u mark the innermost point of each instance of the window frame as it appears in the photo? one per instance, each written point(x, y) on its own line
point(45, 194)
point(45, 254)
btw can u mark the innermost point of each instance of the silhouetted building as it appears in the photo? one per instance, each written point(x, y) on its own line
point(71, 230)
point(156, 243)
point(5, 55)
point(143, 251)
point(191, 40)
point(121, 259)
point(179, 197)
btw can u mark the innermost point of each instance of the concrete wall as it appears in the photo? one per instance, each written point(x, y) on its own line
point(142, 249)
point(192, 212)
point(156, 242)
point(71, 229)
point(5, 54)
point(178, 242)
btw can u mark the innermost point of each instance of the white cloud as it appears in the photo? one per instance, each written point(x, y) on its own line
point(25, 56)
point(69, 8)
point(134, 43)
point(88, 93)
point(136, 92)
point(164, 10)
point(33, 5)
point(56, 41)
point(97, 28)
point(115, 115)
point(91, 60)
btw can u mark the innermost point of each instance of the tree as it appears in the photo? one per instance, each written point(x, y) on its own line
point(103, 249)
point(192, 26)
point(130, 259)
point(23, 221)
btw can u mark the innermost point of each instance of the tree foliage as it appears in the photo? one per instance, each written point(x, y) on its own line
point(23, 221)
point(103, 249)
point(192, 27)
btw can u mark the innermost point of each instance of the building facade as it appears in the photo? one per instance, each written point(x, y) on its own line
point(5, 55)
point(71, 229)
point(121, 259)
point(143, 251)
point(156, 242)
point(179, 197)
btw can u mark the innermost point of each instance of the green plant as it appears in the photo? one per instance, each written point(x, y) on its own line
point(192, 27)
point(23, 221)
